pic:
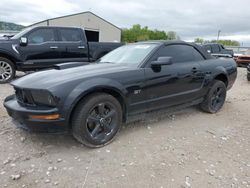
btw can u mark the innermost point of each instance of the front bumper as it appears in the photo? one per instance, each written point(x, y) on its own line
point(21, 117)
point(243, 63)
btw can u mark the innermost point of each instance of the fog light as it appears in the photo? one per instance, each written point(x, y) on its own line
point(45, 117)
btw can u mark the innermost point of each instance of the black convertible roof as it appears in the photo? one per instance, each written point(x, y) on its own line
point(172, 42)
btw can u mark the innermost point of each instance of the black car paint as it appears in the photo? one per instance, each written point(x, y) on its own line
point(45, 55)
point(138, 89)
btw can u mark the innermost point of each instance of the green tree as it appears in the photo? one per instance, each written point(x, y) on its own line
point(199, 40)
point(223, 42)
point(227, 42)
point(138, 33)
point(172, 35)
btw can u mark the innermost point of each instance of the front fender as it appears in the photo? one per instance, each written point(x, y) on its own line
point(8, 54)
point(90, 86)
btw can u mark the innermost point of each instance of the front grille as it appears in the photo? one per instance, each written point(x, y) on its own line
point(244, 58)
point(24, 97)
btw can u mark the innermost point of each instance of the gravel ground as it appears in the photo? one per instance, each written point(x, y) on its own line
point(187, 148)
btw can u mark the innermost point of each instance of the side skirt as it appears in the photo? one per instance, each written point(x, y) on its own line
point(142, 116)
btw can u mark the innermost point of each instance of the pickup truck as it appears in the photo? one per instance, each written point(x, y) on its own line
point(42, 47)
point(92, 101)
point(218, 50)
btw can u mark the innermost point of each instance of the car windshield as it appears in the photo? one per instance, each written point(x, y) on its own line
point(132, 54)
point(20, 34)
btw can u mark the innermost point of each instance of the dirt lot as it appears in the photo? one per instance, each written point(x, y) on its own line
point(188, 148)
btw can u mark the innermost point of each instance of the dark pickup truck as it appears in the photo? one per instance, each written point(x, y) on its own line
point(43, 47)
point(93, 100)
point(218, 50)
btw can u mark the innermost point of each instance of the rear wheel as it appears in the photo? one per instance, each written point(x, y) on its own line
point(97, 120)
point(215, 98)
point(7, 70)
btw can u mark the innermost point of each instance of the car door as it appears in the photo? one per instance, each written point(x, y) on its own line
point(41, 50)
point(176, 83)
point(73, 40)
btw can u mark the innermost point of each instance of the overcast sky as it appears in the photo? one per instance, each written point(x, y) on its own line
point(189, 18)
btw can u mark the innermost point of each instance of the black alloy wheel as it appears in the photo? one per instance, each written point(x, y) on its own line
point(101, 121)
point(215, 97)
point(97, 120)
point(218, 98)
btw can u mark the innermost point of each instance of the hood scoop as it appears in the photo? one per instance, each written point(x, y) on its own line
point(69, 65)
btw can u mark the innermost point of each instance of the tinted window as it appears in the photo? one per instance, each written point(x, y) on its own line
point(215, 48)
point(180, 53)
point(197, 55)
point(41, 35)
point(70, 35)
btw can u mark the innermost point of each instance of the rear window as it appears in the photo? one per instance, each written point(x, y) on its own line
point(70, 35)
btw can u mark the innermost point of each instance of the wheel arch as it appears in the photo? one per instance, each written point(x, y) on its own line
point(116, 93)
point(8, 56)
point(222, 77)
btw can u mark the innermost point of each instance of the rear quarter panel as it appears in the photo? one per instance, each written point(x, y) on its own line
point(221, 66)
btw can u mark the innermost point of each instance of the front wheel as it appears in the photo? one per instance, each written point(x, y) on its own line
point(215, 97)
point(97, 120)
point(7, 70)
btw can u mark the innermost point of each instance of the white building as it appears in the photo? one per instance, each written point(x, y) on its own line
point(97, 29)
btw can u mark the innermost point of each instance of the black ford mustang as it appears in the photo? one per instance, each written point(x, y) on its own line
point(93, 100)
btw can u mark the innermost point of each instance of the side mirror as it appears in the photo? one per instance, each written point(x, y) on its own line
point(162, 61)
point(23, 41)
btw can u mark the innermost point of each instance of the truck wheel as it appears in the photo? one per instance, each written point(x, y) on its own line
point(7, 70)
point(215, 97)
point(97, 120)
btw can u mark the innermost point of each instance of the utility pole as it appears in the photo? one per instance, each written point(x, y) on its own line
point(218, 37)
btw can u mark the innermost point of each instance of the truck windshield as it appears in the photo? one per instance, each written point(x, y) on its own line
point(20, 34)
point(132, 54)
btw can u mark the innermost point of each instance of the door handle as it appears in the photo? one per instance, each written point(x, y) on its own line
point(81, 47)
point(53, 47)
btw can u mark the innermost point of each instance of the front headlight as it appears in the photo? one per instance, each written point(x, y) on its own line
point(43, 97)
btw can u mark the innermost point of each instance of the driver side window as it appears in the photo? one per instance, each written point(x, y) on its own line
point(41, 35)
point(179, 53)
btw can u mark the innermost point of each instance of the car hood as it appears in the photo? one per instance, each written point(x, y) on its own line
point(7, 40)
point(51, 78)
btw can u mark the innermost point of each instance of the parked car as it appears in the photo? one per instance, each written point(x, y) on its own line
point(93, 100)
point(244, 59)
point(42, 47)
point(218, 50)
point(248, 72)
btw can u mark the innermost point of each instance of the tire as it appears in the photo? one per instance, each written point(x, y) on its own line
point(215, 97)
point(7, 70)
point(248, 78)
point(97, 120)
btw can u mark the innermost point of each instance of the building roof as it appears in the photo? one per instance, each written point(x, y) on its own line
point(74, 15)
